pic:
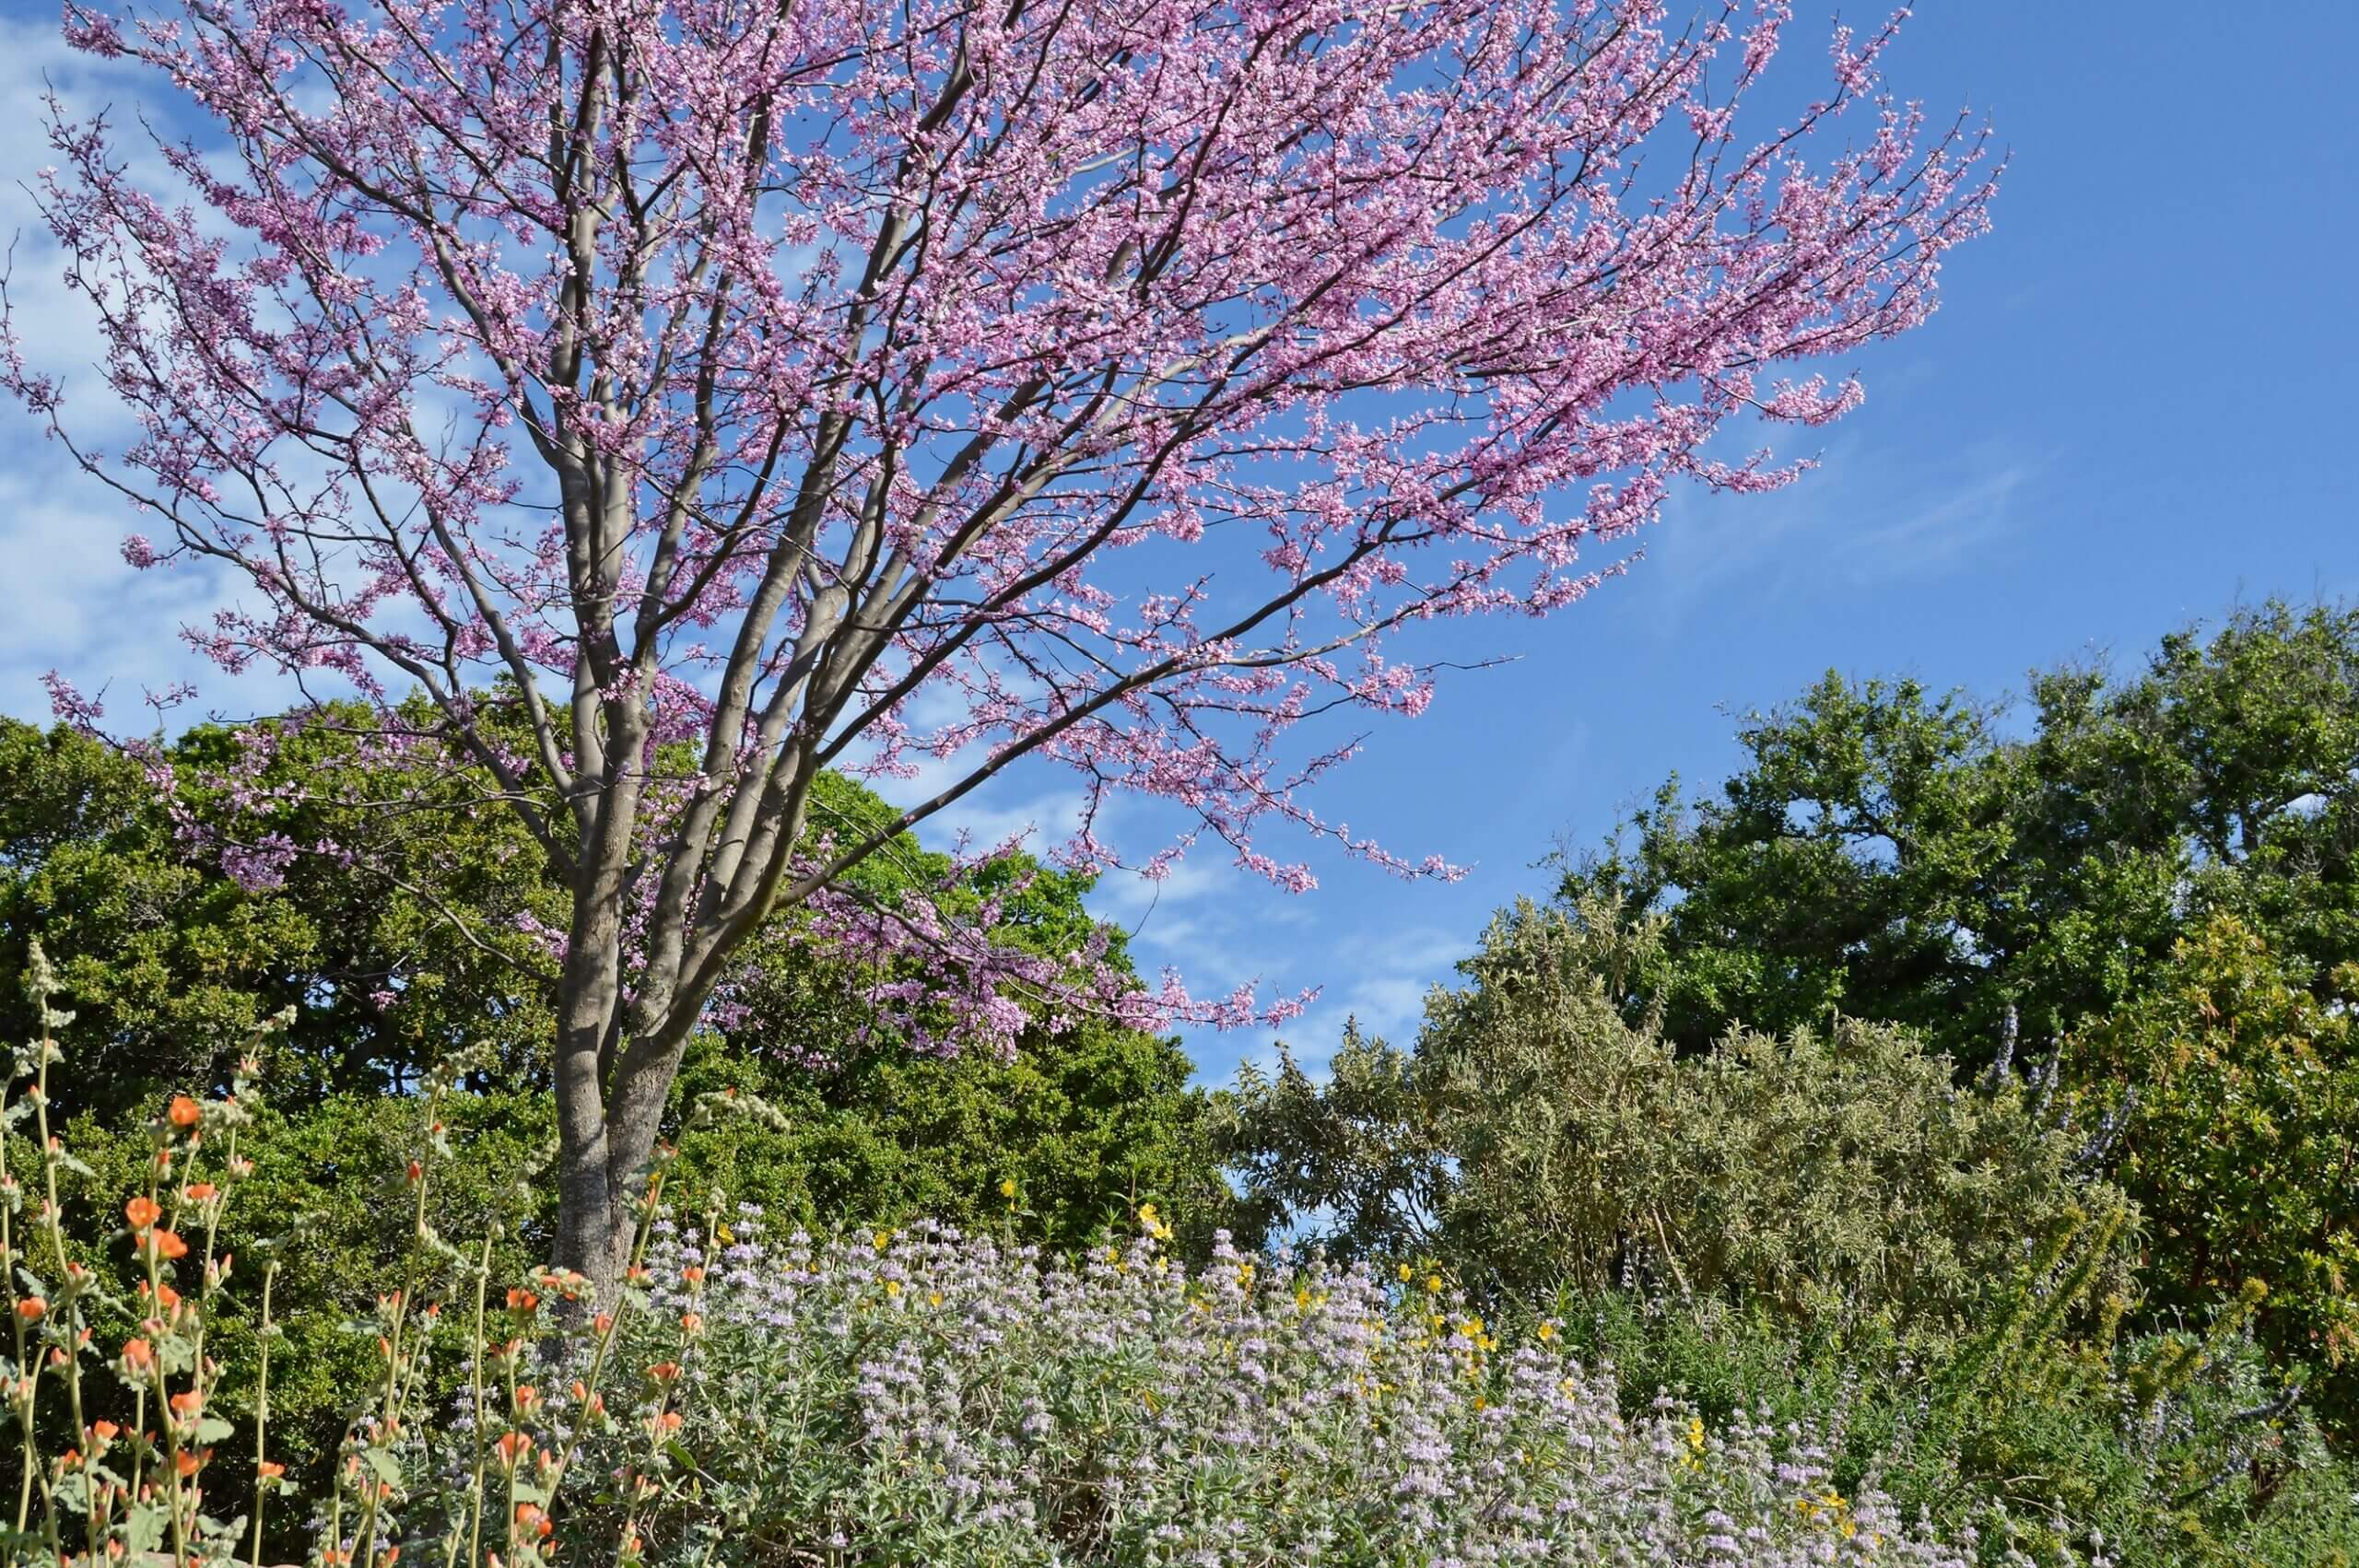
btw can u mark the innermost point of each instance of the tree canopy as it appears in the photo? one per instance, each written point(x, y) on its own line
point(1888, 854)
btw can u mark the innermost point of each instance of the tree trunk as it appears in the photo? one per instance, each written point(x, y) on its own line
point(611, 1093)
point(594, 1211)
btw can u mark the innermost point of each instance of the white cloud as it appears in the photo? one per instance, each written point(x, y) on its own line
point(1863, 518)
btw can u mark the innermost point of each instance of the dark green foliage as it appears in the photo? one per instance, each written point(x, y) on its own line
point(1534, 1136)
point(1086, 1126)
point(1890, 855)
point(413, 949)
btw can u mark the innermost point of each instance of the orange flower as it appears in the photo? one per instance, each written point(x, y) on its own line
point(527, 1395)
point(32, 1309)
point(188, 1402)
point(189, 1464)
point(199, 1191)
point(417, 1171)
point(531, 1520)
point(521, 1300)
point(185, 1111)
point(142, 1212)
point(669, 1421)
point(603, 1322)
point(170, 1244)
point(167, 1297)
point(513, 1446)
point(271, 1469)
point(691, 1322)
point(105, 1430)
point(138, 1353)
point(692, 1274)
point(664, 1371)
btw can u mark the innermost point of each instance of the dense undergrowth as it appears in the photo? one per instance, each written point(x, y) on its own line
point(915, 1395)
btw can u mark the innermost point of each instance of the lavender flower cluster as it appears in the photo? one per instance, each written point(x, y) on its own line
point(924, 1396)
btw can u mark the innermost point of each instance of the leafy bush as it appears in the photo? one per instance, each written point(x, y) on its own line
point(2177, 1449)
point(2238, 1087)
point(1534, 1138)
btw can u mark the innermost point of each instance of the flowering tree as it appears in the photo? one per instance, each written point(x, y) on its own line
point(688, 396)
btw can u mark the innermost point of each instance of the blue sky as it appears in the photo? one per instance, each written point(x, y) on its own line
point(2134, 410)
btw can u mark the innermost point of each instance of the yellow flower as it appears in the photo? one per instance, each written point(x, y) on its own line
point(1007, 1190)
point(1696, 1433)
point(1433, 1283)
point(1547, 1331)
point(883, 1240)
point(1404, 1273)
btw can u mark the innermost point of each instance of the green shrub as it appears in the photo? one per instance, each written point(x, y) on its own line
point(2177, 1450)
point(2241, 1143)
point(1534, 1138)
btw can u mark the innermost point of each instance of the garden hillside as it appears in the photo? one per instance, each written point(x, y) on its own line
point(1850, 1200)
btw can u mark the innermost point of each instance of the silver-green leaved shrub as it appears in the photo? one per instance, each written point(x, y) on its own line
point(921, 1396)
point(909, 1398)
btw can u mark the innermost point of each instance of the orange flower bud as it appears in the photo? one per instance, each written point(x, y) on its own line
point(139, 1353)
point(521, 1300)
point(32, 1309)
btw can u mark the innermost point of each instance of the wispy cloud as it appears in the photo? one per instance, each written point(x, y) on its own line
point(1865, 517)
